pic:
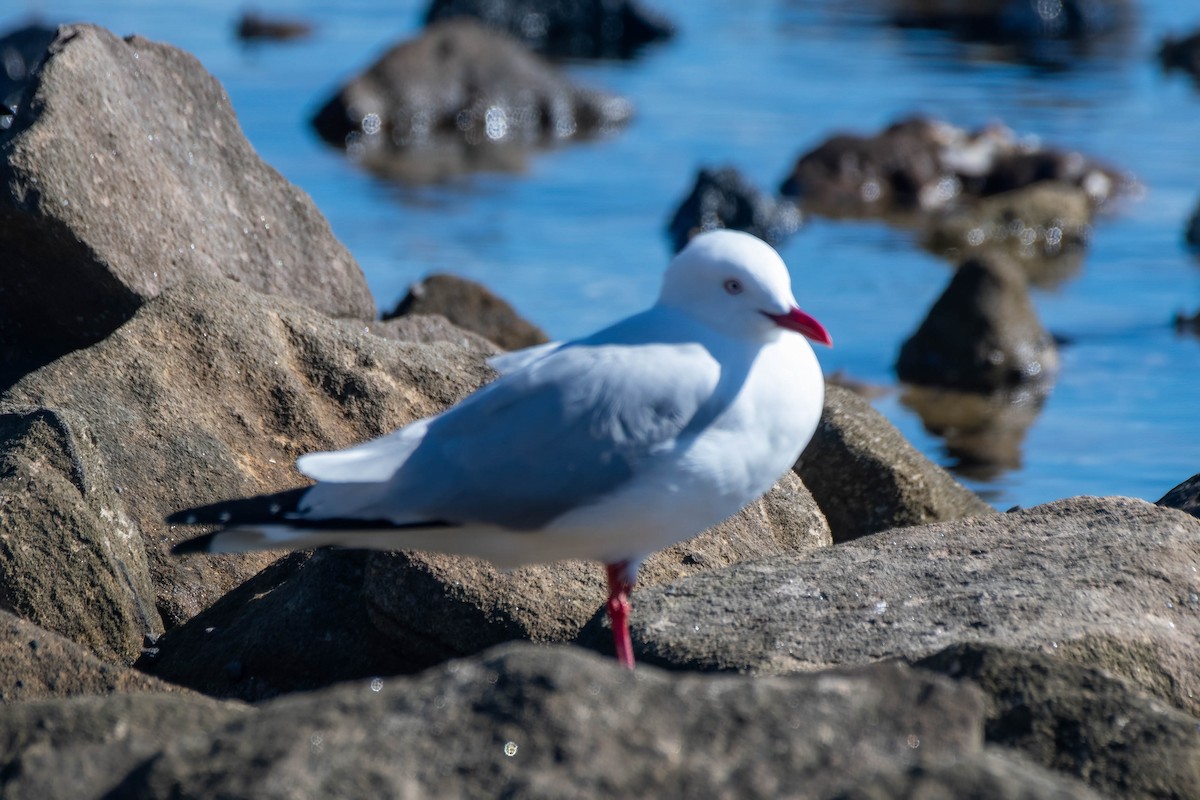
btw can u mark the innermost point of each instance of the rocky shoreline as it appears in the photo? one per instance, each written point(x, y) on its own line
point(869, 629)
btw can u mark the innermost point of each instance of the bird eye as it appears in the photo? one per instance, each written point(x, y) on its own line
point(733, 286)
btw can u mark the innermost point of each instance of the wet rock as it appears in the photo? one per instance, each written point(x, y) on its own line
point(1044, 227)
point(460, 97)
point(211, 391)
point(253, 27)
point(723, 198)
point(982, 433)
point(1187, 323)
point(572, 29)
point(96, 219)
point(982, 335)
point(471, 306)
point(1192, 234)
point(36, 664)
point(923, 165)
point(1185, 496)
point(1107, 583)
point(866, 477)
point(1080, 721)
point(308, 622)
point(1181, 53)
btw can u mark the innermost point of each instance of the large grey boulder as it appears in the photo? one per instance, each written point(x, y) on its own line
point(125, 172)
point(867, 477)
point(211, 391)
point(1104, 582)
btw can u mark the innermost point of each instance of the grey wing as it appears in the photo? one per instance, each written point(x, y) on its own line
point(561, 434)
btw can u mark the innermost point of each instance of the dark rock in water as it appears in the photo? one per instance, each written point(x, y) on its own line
point(97, 218)
point(1192, 234)
point(565, 28)
point(460, 97)
point(1187, 323)
point(1185, 496)
point(866, 477)
point(1182, 54)
point(924, 165)
point(1061, 715)
point(255, 27)
point(982, 335)
point(21, 52)
point(471, 306)
point(983, 433)
point(723, 198)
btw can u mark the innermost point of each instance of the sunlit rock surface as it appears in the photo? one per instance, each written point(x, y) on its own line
point(123, 172)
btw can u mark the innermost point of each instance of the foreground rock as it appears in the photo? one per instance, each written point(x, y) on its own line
point(307, 622)
point(982, 335)
point(471, 306)
point(1080, 721)
point(211, 391)
point(1108, 583)
point(459, 98)
point(576, 29)
point(96, 219)
point(723, 198)
point(541, 722)
point(867, 478)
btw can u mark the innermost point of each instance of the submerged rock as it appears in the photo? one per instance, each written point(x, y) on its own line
point(461, 97)
point(565, 28)
point(982, 335)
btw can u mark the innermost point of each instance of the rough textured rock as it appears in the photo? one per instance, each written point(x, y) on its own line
point(1110, 583)
point(1043, 227)
point(37, 664)
point(460, 97)
point(471, 306)
point(211, 391)
point(982, 335)
point(921, 164)
point(866, 477)
point(96, 219)
point(1185, 496)
point(723, 198)
point(307, 622)
point(83, 748)
point(71, 559)
point(572, 29)
point(556, 722)
point(1080, 721)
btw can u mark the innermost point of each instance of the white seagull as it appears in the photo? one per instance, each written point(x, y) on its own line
point(608, 447)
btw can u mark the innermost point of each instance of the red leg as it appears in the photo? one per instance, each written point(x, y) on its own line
point(619, 587)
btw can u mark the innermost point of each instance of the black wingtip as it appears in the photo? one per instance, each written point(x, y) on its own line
point(243, 510)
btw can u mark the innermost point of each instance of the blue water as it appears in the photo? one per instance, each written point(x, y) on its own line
point(577, 240)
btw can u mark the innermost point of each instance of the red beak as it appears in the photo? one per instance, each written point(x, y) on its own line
point(797, 320)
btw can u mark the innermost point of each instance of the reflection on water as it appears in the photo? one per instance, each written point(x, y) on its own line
point(983, 434)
